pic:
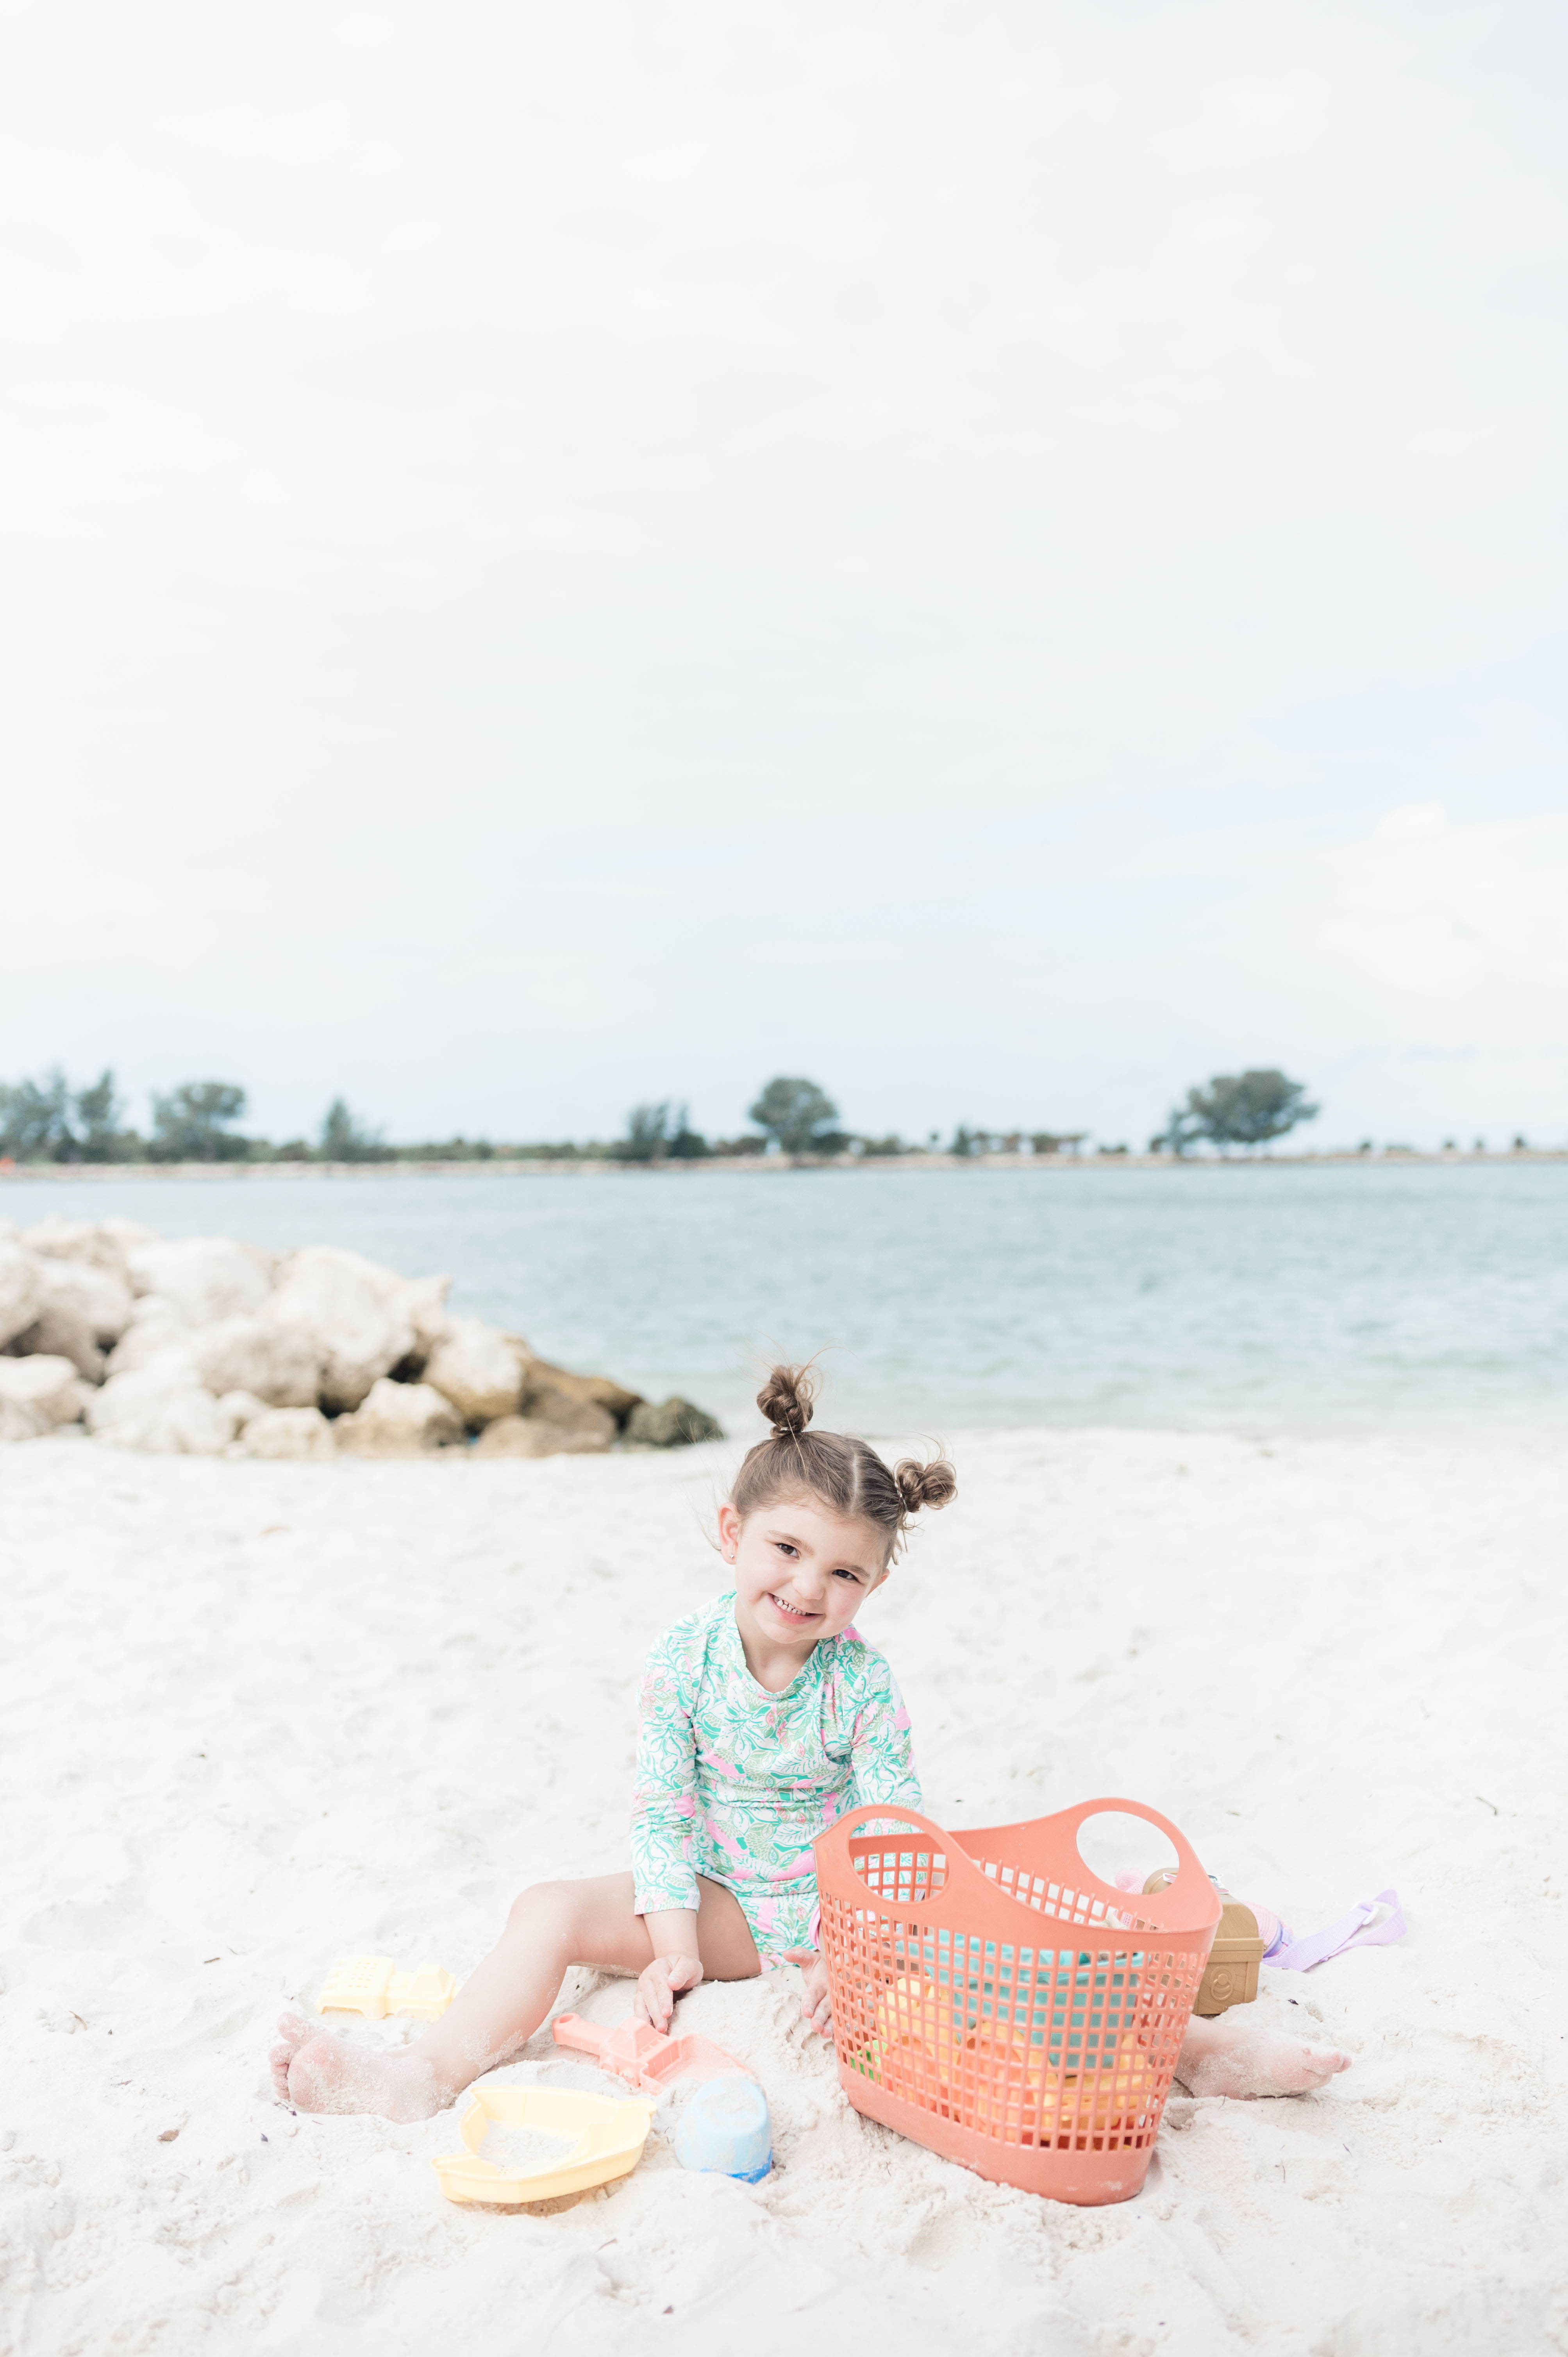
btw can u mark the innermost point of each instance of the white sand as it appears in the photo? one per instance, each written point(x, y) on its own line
point(259, 1716)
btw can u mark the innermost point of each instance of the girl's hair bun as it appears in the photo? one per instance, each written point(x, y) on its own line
point(839, 1472)
point(925, 1485)
point(786, 1400)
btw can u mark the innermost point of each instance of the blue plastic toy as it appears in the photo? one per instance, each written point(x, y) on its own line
point(724, 2130)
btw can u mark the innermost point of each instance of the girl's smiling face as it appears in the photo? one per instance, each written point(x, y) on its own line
point(801, 1572)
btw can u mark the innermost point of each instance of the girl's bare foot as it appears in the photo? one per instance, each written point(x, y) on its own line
point(1228, 2057)
point(317, 2070)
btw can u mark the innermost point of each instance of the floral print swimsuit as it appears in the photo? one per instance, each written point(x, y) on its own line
point(736, 1783)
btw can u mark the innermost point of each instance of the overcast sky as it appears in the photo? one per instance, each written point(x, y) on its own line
point(1007, 557)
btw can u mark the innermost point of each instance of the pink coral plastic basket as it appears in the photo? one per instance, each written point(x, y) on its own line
point(998, 2002)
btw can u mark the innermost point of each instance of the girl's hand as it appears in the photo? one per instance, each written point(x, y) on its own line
point(659, 1986)
point(816, 2005)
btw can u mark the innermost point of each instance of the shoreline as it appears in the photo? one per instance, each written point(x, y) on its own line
point(763, 1166)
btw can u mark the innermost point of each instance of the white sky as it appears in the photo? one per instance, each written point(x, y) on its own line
point(1005, 555)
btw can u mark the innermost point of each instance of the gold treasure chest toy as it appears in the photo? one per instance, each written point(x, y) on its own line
point(1230, 1976)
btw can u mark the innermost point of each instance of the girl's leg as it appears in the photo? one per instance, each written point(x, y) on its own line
point(552, 1926)
point(1226, 2054)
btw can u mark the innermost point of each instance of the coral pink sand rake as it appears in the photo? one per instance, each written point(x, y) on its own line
point(997, 2002)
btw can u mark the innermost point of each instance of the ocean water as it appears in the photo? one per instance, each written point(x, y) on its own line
point(1429, 1302)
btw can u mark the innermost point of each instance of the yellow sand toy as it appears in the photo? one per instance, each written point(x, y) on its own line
point(609, 2140)
point(373, 1985)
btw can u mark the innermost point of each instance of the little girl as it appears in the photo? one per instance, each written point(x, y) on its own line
point(764, 1716)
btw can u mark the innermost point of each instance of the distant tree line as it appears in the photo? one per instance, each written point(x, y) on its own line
point(48, 1120)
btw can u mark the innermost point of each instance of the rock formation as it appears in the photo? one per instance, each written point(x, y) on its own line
point(355, 1314)
point(282, 1365)
point(46, 1390)
point(203, 1346)
point(289, 1432)
point(477, 1369)
point(21, 1290)
point(674, 1424)
point(163, 1409)
point(400, 1420)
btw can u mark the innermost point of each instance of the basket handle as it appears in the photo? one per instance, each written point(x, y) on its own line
point(842, 1831)
point(832, 1848)
point(1190, 1902)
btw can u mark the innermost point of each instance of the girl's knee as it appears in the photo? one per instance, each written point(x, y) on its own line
point(551, 1907)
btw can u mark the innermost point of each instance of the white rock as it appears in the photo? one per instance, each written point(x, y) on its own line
point(18, 1421)
point(21, 1295)
point(50, 1386)
point(98, 1243)
point(129, 1233)
point(289, 1432)
point(202, 1277)
point(162, 1409)
point(400, 1420)
point(102, 1298)
point(354, 1314)
point(423, 1301)
point(78, 1306)
point(477, 1369)
point(62, 1332)
point(157, 1336)
point(278, 1362)
point(242, 1408)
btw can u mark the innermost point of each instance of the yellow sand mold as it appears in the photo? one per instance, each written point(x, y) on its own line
point(609, 2140)
point(373, 1985)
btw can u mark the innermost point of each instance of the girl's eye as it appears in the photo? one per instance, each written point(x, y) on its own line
point(784, 1547)
point(853, 1576)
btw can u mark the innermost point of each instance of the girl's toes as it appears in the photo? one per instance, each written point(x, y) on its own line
point(1283, 2067)
point(1324, 2062)
point(293, 2031)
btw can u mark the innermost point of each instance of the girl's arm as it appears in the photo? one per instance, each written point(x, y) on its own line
point(663, 1826)
point(882, 1754)
point(676, 1965)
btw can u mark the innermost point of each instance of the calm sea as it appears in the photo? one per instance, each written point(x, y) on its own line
point(1422, 1301)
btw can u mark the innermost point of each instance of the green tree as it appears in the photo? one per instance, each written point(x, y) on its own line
point(194, 1123)
point(797, 1116)
point(97, 1110)
point(345, 1138)
point(647, 1126)
point(683, 1143)
point(658, 1132)
point(45, 1120)
point(1237, 1109)
point(34, 1119)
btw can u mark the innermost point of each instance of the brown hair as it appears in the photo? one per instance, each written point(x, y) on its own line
point(843, 1473)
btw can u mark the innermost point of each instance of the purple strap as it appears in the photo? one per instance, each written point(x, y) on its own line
point(1355, 1929)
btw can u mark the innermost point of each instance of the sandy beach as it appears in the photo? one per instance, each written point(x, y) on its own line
point(259, 1716)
